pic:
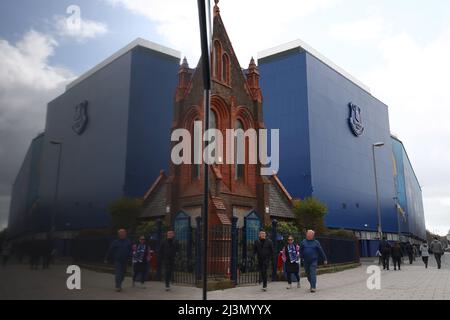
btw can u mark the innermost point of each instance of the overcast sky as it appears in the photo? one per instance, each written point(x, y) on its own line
point(400, 49)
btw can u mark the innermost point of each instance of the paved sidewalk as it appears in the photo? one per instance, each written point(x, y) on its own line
point(412, 282)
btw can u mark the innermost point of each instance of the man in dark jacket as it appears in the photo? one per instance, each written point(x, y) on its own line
point(263, 249)
point(119, 253)
point(167, 254)
point(310, 250)
point(385, 249)
point(410, 252)
point(397, 255)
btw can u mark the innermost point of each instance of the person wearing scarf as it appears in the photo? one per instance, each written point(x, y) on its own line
point(291, 259)
point(140, 261)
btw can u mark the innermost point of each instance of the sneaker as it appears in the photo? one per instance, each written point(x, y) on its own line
point(264, 289)
point(118, 289)
point(313, 290)
point(289, 287)
point(167, 288)
point(298, 284)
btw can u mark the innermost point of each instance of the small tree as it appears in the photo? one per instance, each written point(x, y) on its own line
point(310, 214)
point(125, 213)
point(284, 229)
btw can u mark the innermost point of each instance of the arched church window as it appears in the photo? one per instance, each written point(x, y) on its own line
point(225, 69)
point(217, 60)
point(239, 167)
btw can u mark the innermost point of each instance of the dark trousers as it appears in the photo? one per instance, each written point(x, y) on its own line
point(385, 258)
point(168, 272)
point(397, 261)
point(438, 256)
point(139, 271)
point(289, 276)
point(311, 273)
point(425, 260)
point(120, 270)
point(411, 257)
point(263, 266)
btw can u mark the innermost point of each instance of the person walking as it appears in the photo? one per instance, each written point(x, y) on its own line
point(385, 248)
point(438, 250)
point(291, 259)
point(410, 252)
point(310, 250)
point(264, 251)
point(141, 259)
point(424, 252)
point(119, 253)
point(380, 259)
point(397, 255)
point(167, 254)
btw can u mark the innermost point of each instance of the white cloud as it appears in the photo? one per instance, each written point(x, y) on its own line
point(362, 30)
point(86, 29)
point(26, 63)
point(27, 83)
point(252, 24)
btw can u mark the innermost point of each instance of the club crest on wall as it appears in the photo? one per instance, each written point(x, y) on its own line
point(355, 120)
point(80, 119)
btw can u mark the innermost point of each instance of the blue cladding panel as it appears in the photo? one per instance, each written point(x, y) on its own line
point(92, 164)
point(24, 212)
point(342, 164)
point(122, 150)
point(153, 83)
point(399, 178)
point(283, 83)
point(409, 192)
point(320, 155)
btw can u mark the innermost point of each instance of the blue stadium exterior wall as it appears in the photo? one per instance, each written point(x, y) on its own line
point(125, 145)
point(285, 107)
point(114, 156)
point(92, 172)
point(153, 83)
point(409, 190)
point(24, 213)
point(399, 177)
point(342, 164)
point(319, 155)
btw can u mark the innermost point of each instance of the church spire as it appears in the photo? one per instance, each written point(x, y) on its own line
point(184, 77)
point(216, 8)
point(253, 80)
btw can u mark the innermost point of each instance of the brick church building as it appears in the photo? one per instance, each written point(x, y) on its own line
point(235, 189)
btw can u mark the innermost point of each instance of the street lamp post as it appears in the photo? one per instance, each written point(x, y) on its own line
point(58, 170)
point(204, 11)
point(377, 145)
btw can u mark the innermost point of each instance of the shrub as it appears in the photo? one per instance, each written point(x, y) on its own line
point(125, 213)
point(310, 214)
